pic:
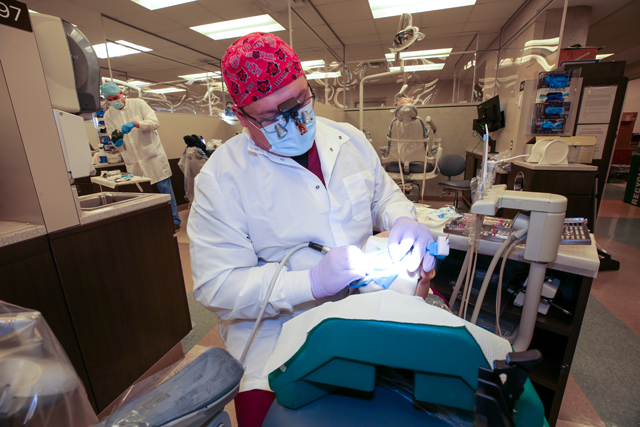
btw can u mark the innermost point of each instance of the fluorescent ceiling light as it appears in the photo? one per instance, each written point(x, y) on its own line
point(317, 76)
point(119, 49)
point(166, 90)
point(423, 67)
point(385, 8)
point(419, 54)
point(544, 42)
point(139, 83)
point(201, 76)
point(307, 65)
point(239, 27)
point(159, 4)
point(604, 55)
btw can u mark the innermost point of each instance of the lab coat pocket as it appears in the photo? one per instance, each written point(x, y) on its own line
point(358, 191)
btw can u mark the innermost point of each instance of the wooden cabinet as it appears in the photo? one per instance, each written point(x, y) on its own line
point(555, 335)
point(578, 186)
point(112, 292)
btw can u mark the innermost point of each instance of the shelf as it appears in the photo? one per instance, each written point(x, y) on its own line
point(546, 373)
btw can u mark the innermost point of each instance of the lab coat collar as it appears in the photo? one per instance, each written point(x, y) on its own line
point(328, 141)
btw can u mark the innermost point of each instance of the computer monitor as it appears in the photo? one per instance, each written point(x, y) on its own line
point(489, 114)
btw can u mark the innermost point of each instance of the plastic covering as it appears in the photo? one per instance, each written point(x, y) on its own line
point(38, 385)
point(193, 159)
point(183, 391)
point(407, 140)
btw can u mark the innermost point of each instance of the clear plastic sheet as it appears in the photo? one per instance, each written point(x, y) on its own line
point(407, 140)
point(38, 385)
point(178, 392)
point(193, 159)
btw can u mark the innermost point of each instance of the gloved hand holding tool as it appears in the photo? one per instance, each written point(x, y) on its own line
point(126, 128)
point(408, 242)
point(339, 267)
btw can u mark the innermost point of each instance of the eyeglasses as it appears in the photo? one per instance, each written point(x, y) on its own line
point(288, 110)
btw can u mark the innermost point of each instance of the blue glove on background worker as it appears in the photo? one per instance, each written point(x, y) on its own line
point(126, 128)
point(339, 267)
point(406, 234)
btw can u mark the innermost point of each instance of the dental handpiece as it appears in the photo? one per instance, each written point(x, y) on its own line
point(318, 247)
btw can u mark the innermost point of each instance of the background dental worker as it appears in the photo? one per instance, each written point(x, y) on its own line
point(263, 193)
point(141, 148)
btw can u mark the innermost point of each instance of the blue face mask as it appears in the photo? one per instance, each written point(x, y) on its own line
point(291, 142)
point(117, 104)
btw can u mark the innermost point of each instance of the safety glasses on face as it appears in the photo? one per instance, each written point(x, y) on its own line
point(289, 110)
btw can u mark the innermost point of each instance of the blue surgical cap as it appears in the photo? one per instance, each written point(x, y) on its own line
point(109, 89)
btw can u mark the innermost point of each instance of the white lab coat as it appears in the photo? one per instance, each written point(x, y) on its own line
point(142, 151)
point(251, 207)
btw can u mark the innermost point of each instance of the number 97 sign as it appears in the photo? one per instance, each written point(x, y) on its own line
point(15, 14)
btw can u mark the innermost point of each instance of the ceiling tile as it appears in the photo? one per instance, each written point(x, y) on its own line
point(152, 42)
point(484, 26)
point(358, 28)
point(114, 8)
point(346, 11)
point(492, 11)
point(458, 15)
point(235, 10)
point(442, 30)
point(64, 9)
point(184, 36)
point(152, 21)
point(351, 40)
point(189, 14)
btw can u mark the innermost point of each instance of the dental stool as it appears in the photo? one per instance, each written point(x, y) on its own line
point(453, 165)
point(331, 380)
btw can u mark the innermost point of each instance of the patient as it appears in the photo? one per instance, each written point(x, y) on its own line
point(405, 281)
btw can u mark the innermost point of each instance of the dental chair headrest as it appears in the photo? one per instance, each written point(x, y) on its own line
point(406, 112)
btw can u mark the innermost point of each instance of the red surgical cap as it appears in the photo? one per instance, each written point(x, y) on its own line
point(257, 65)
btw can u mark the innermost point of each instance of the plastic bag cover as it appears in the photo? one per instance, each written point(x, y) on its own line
point(38, 384)
point(191, 162)
point(181, 389)
point(407, 137)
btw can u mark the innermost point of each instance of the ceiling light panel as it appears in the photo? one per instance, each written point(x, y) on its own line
point(120, 48)
point(160, 4)
point(420, 54)
point(318, 76)
point(386, 8)
point(424, 67)
point(239, 27)
point(166, 90)
point(201, 76)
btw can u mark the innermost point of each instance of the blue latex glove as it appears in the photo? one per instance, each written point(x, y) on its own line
point(127, 128)
point(339, 267)
point(408, 241)
point(118, 143)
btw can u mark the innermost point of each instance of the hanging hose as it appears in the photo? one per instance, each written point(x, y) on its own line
point(505, 257)
point(265, 302)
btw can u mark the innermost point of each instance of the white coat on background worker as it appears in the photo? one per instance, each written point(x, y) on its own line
point(142, 150)
point(256, 199)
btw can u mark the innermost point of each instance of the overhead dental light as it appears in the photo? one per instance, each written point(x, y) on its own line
point(119, 48)
point(227, 115)
point(406, 36)
point(239, 27)
point(385, 8)
point(159, 4)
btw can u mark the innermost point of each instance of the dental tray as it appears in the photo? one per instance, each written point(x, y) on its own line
point(494, 229)
point(575, 232)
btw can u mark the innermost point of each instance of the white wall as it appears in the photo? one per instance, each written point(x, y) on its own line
point(632, 101)
point(173, 127)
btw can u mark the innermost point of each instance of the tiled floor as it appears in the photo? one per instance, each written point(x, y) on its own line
point(604, 385)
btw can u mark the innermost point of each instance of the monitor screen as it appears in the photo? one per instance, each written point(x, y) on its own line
point(489, 113)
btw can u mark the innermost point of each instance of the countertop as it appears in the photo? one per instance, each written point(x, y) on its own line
point(570, 167)
point(103, 182)
point(146, 200)
point(14, 232)
point(582, 260)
